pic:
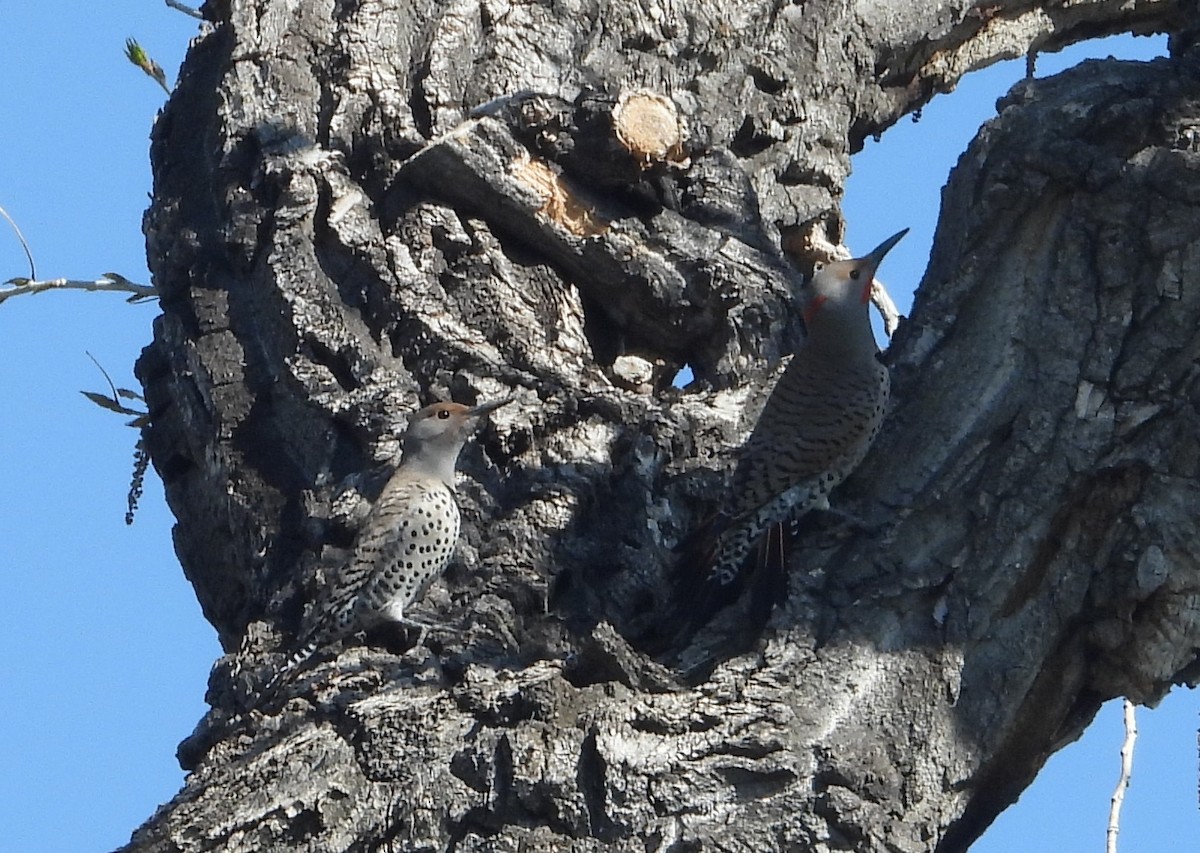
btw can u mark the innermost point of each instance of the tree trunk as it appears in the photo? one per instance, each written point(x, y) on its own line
point(362, 207)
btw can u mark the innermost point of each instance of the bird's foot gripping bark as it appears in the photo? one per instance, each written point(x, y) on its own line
point(425, 628)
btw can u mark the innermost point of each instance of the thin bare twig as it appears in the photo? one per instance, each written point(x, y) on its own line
point(112, 386)
point(24, 245)
point(1118, 797)
point(110, 281)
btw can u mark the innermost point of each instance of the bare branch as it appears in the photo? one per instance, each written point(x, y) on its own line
point(187, 10)
point(113, 282)
point(882, 300)
point(1118, 797)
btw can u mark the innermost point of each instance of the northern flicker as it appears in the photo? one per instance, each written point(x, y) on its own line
point(815, 429)
point(406, 540)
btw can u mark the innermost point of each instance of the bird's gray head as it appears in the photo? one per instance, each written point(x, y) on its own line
point(838, 294)
point(436, 434)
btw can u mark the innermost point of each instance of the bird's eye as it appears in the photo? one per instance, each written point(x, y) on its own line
point(854, 274)
point(443, 414)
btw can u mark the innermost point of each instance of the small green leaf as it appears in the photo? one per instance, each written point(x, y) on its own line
point(138, 56)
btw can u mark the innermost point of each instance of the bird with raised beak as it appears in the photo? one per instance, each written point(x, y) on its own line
point(815, 428)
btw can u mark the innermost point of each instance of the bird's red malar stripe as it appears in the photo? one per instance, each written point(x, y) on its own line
point(866, 294)
point(813, 307)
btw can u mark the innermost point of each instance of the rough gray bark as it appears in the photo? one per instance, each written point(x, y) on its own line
point(363, 206)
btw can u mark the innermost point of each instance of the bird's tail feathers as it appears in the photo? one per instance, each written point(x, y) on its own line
point(767, 578)
point(294, 662)
point(702, 584)
point(711, 573)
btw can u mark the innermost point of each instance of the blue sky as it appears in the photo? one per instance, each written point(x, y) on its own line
point(107, 654)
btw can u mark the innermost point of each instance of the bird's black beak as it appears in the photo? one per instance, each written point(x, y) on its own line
point(876, 254)
point(487, 408)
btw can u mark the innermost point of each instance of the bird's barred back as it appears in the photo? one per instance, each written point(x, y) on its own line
point(816, 427)
point(810, 433)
